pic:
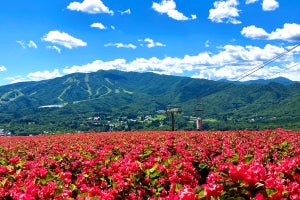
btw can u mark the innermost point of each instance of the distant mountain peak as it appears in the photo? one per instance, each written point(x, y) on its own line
point(280, 80)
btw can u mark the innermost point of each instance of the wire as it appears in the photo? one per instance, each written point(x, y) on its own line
point(251, 71)
point(248, 73)
point(284, 70)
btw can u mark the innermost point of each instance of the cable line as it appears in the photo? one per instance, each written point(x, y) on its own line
point(251, 71)
point(284, 70)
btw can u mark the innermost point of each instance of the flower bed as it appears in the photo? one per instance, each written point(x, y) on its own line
point(152, 165)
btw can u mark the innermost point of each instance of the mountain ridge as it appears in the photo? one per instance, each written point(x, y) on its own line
point(114, 94)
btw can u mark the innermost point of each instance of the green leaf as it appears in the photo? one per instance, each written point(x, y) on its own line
point(153, 168)
point(73, 187)
point(20, 164)
point(3, 182)
point(85, 175)
point(234, 159)
point(248, 158)
point(43, 181)
point(281, 175)
point(200, 192)
point(168, 162)
point(178, 186)
point(147, 153)
point(154, 174)
point(271, 191)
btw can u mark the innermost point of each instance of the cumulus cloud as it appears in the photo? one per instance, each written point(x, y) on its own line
point(169, 7)
point(35, 76)
point(267, 5)
point(90, 6)
point(289, 32)
point(270, 5)
point(63, 39)
point(254, 32)
point(120, 45)
point(16, 79)
point(43, 75)
point(150, 43)
point(225, 11)
point(98, 25)
point(290, 70)
point(229, 63)
point(251, 1)
point(95, 66)
point(29, 44)
point(3, 68)
point(125, 12)
point(54, 48)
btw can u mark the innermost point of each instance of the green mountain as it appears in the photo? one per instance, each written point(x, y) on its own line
point(115, 100)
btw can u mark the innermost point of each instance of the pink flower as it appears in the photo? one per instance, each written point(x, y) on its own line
point(3, 169)
point(213, 190)
point(66, 177)
point(14, 160)
point(259, 196)
point(42, 172)
point(187, 193)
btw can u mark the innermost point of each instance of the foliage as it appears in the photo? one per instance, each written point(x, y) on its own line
point(152, 165)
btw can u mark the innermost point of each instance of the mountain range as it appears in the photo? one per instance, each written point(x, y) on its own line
point(124, 99)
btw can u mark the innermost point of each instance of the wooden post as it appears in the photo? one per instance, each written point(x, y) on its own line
point(172, 118)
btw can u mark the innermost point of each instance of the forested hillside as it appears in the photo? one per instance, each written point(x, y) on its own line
point(115, 100)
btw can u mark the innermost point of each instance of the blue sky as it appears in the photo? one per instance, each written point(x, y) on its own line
point(201, 39)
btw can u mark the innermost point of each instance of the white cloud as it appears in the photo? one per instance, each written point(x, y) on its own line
point(206, 43)
point(251, 1)
point(90, 6)
point(290, 70)
point(95, 66)
point(150, 43)
point(43, 75)
point(3, 69)
point(32, 44)
point(270, 5)
point(63, 39)
point(289, 32)
point(169, 7)
point(35, 76)
point(225, 10)
point(229, 63)
point(112, 27)
point(98, 25)
point(120, 45)
point(254, 32)
point(127, 12)
point(24, 45)
point(54, 48)
point(16, 79)
point(267, 5)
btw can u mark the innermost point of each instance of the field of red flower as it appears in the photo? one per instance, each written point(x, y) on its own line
point(152, 165)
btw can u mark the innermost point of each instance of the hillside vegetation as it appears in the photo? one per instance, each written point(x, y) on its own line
point(115, 100)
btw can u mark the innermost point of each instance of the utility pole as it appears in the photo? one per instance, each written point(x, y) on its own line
point(198, 109)
point(172, 110)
